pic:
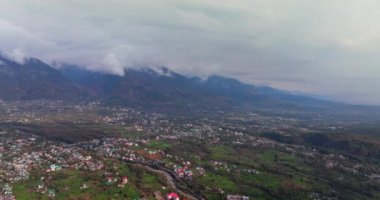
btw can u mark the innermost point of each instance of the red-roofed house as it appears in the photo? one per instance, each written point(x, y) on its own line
point(172, 196)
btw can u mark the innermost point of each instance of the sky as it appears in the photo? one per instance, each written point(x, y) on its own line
point(327, 48)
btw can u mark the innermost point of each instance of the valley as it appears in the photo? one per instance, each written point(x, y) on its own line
point(189, 100)
point(45, 145)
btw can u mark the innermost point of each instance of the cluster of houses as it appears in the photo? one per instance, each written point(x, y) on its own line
point(54, 168)
point(184, 171)
point(7, 193)
point(19, 154)
point(24, 153)
point(121, 181)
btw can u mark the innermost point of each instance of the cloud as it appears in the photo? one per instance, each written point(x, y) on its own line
point(324, 47)
point(112, 63)
point(17, 55)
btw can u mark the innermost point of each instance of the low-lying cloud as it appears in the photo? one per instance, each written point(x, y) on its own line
point(327, 48)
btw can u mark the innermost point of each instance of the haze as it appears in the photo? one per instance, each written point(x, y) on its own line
point(324, 48)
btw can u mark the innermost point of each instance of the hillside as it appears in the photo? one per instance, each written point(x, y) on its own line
point(162, 90)
point(34, 79)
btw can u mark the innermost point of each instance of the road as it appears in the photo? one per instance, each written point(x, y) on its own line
point(171, 180)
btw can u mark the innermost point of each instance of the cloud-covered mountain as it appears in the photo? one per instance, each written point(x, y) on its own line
point(316, 47)
point(162, 88)
point(153, 88)
point(33, 79)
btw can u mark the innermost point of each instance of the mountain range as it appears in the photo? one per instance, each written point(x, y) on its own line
point(34, 79)
point(151, 88)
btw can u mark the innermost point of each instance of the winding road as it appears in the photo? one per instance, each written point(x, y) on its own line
point(171, 180)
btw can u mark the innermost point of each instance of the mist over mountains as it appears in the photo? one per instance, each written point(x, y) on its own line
point(152, 88)
point(34, 79)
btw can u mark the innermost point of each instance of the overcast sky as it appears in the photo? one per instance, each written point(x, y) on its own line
point(329, 48)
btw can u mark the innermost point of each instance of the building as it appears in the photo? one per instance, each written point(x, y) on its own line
point(237, 197)
point(172, 196)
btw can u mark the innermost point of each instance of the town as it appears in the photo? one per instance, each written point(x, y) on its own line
point(55, 150)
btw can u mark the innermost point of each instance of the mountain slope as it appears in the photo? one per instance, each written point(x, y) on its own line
point(145, 88)
point(152, 88)
point(34, 80)
point(159, 89)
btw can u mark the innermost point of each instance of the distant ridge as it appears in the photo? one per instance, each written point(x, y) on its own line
point(34, 79)
point(148, 88)
point(160, 87)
